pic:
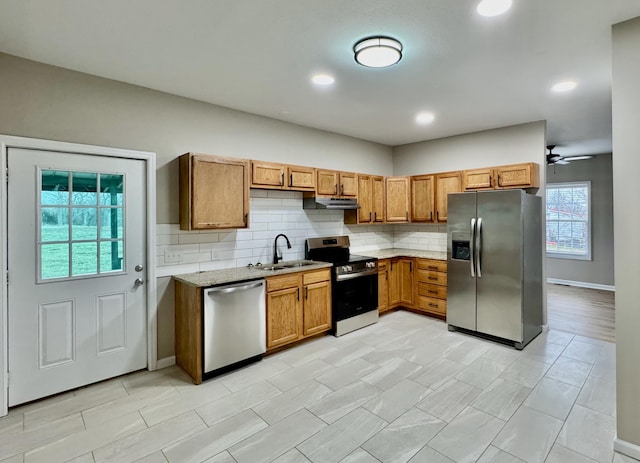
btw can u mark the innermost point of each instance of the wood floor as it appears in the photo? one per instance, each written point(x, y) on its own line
point(583, 311)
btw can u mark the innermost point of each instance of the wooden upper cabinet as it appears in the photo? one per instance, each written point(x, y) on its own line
point(377, 198)
point(327, 182)
point(301, 178)
point(214, 192)
point(267, 175)
point(519, 176)
point(397, 194)
point(423, 198)
point(449, 182)
point(479, 179)
point(282, 177)
point(336, 184)
point(365, 199)
point(348, 184)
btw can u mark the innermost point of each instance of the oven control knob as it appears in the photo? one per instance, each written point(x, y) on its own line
point(371, 264)
point(346, 268)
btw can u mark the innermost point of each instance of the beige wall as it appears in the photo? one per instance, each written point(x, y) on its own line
point(507, 145)
point(626, 197)
point(598, 270)
point(41, 101)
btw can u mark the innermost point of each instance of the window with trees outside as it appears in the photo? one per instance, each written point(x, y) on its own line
point(569, 220)
point(81, 224)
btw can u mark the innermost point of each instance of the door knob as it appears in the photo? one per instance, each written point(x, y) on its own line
point(138, 282)
point(139, 268)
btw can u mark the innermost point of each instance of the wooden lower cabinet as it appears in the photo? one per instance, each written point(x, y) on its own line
point(405, 281)
point(396, 282)
point(383, 285)
point(298, 305)
point(431, 286)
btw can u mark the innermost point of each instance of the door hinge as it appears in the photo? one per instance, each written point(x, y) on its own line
point(7, 277)
point(6, 175)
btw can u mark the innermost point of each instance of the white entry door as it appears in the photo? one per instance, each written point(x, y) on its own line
point(76, 256)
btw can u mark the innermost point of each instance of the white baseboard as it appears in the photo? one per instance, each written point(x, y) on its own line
point(581, 284)
point(627, 448)
point(166, 362)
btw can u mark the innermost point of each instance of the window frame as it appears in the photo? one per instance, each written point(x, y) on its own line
point(589, 221)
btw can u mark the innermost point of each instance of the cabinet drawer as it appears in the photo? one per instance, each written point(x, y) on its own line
point(432, 305)
point(316, 276)
point(435, 291)
point(432, 264)
point(434, 278)
point(283, 282)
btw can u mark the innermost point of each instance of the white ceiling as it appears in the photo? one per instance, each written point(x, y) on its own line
point(257, 56)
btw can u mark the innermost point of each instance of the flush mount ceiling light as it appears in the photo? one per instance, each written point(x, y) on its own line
point(425, 118)
point(493, 7)
point(565, 86)
point(378, 52)
point(323, 79)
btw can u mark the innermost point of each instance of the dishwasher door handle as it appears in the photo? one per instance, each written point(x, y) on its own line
point(233, 289)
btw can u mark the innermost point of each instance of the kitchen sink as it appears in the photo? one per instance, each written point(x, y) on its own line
point(285, 265)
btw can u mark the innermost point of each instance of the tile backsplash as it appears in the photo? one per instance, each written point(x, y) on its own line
point(273, 212)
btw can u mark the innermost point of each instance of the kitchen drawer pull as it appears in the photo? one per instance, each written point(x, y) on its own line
point(432, 278)
point(431, 291)
point(431, 267)
point(431, 304)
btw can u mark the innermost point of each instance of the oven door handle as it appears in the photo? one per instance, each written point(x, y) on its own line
point(350, 276)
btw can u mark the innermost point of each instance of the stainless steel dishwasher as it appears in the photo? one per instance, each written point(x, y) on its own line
point(234, 325)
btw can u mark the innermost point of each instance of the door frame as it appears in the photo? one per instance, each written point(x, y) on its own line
point(7, 142)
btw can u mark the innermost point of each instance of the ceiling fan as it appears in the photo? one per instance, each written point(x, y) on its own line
point(553, 158)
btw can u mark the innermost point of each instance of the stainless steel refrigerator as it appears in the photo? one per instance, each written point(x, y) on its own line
point(494, 257)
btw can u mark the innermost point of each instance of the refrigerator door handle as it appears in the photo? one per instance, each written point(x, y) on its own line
point(472, 246)
point(479, 247)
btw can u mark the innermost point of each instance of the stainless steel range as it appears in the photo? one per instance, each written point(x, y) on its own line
point(354, 283)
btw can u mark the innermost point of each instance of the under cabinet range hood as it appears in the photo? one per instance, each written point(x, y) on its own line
point(314, 202)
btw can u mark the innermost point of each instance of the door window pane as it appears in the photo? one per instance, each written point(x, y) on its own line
point(54, 260)
point(74, 206)
point(111, 253)
point(111, 189)
point(84, 258)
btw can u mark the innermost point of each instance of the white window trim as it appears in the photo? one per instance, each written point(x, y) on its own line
point(7, 142)
point(558, 255)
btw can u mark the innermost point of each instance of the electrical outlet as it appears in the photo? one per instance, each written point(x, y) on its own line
point(172, 256)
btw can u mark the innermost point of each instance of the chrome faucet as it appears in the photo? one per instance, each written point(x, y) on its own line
point(275, 247)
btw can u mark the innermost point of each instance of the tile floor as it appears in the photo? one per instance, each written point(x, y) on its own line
point(405, 389)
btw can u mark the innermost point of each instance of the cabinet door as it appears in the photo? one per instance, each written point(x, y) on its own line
point(267, 175)
point(445, 184)
point(394, 283)
point(316, 314)
point(383, 286)
point(348, 184)
point(478, 179)
point(405, 280)
point(327, 182)
point(283, 317)
point(365, 213)
point(397, 193)
point(422, 198)
point(377, 198)
point(518, 176)
point(301, 178)
point(214, 192)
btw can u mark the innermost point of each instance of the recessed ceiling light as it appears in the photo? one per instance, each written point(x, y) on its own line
point(323, 79)
point(425, 118)
point(565, 86)
point(377, 52)
point(493, 7)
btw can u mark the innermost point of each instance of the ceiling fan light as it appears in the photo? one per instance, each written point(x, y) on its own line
point(577, 158)
point(377, 52)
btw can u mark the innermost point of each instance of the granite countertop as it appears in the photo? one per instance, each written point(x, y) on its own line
point(401, 252)
point(236, 274)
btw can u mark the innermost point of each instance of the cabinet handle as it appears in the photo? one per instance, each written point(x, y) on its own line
point(298, 293)
point(342, 190)
point(336, 186)
point(431, 216)
point(432, 278)
point(431, 304)
point(246, 218)
point(499, 181)
point(411, 266)
point(386, 274)
point(290, 179)
point(369, 216)
point(391, 263)
point(406, 215)
point(282, 181)
point(375, 216)
point(433, 268)
point(437, 216)
point(306, 292)
point(431, 291)
point(490, 183)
